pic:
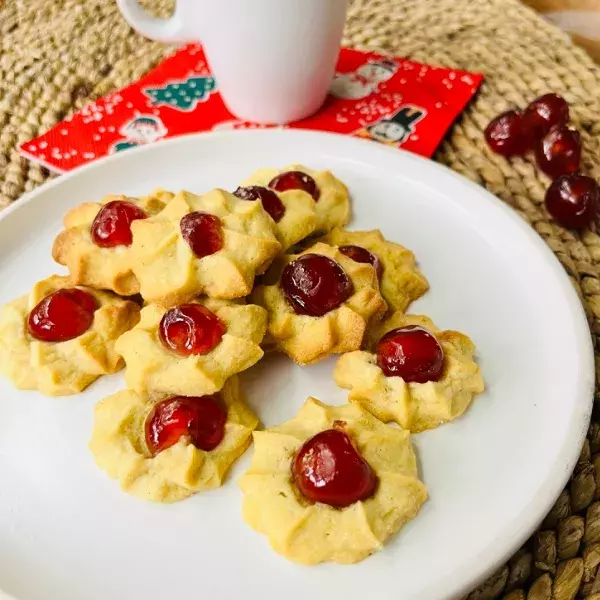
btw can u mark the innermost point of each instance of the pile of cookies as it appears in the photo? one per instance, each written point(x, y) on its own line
point(187, 291)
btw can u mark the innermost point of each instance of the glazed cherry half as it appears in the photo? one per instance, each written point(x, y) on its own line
point(203, 233)
point(412, 353)
point(201, 418)
point(329, 469)
point(545, 112)
point(190, 329)
point(314, 285)
point(362, 255)
point(559, 151)
point(270, 200)
point(507, 134)
point(112, 225)
point(573, 200)
point(62, 315)
point(295, 180)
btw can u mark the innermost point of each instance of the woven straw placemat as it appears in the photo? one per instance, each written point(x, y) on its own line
point(55, 55)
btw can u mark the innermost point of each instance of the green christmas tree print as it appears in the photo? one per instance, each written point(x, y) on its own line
point(182, 95)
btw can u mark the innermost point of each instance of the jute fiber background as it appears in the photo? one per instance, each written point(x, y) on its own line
point(56, 55)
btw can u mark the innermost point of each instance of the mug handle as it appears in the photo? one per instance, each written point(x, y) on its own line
point(170, 30)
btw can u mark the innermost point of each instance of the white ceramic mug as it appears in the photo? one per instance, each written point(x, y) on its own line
point(273, 60)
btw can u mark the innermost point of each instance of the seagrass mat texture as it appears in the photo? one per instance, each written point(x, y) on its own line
point(56, 55)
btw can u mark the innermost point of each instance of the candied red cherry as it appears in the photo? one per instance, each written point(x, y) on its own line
point(314, 284)
point(190, 329)
point(295, 180)
point(112, 225)
point(544, 112)
point(507, 135)
point(412, 353)
point(203, 233)
point(559, 151)
point(62, 315)
point(573, 200)
point(329, 469)
point(201, 418)
point(362, 255)
point(270, 200)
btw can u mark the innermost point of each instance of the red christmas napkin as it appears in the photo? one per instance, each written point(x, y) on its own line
point(394, 101)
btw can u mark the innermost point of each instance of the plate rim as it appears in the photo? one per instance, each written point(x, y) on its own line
point(497, 552)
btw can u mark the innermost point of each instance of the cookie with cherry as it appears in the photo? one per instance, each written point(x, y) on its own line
point(60, 338)
point(331, 484)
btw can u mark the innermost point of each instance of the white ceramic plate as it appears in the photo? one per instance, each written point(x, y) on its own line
point(68, 532)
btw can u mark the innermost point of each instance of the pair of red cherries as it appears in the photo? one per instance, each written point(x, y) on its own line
point(327, 468)
point(543, 127)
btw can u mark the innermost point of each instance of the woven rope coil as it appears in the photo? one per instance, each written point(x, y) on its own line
point(56, 55)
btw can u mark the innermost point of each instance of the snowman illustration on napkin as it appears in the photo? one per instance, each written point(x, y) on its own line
point(364, 81)
point(395, 129)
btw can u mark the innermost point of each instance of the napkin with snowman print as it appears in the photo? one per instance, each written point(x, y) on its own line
point(392, 101)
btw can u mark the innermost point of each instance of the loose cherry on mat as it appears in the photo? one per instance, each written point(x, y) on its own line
point(62, 315)
point(507, 134)
point(202, 418)
point(190, 329)
point(362, 255)
point(315, 284)
point(295, 180)
point(270, 200)
point(329, 469)
point(559, 151)
point(412, 353)
point(203, 233)
point(573, 200)
point(545, 112)
point(112, 225)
